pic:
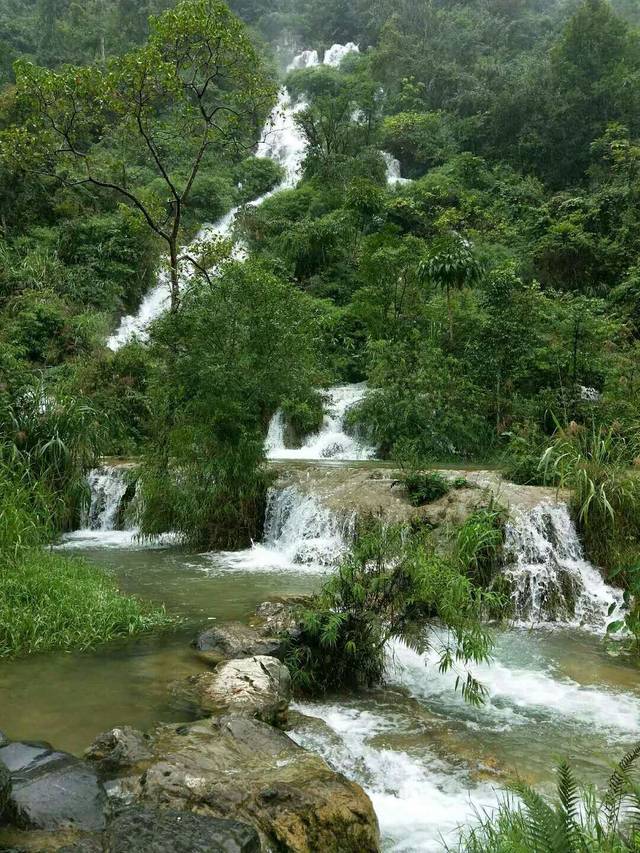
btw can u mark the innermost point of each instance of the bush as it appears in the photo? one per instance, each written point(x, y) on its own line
point(48, 601)
point(389, 587)
point(424, 488)
point(479, 544)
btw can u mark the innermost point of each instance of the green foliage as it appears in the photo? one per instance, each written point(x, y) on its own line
point(238, 347)
point(419, 140)
point(424, 488)
point(479, 542)
point(48, 601)
point(390, 587)
point(577, 821)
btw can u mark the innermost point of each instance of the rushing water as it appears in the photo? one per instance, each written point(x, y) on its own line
point(428, 760)
point(332, 441)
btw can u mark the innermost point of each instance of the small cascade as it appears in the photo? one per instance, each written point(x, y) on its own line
point(300, 535)
point(550, 579)
point(109, 486)
point(337, 52)
point(331, 442)
point(394, 176)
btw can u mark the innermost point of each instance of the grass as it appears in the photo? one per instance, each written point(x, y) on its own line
point(52, 602)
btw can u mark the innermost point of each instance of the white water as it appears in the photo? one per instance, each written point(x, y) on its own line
point(552, 582)
point(281, 141)
point(331, 442)
point(300, 535)
point(394, 176)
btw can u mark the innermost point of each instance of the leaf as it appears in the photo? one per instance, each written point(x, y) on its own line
point(613, 627)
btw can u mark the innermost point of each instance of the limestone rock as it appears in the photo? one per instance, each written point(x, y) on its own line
point(235, 640)
point(52, 790)
point(259, 687)
point(242, 769)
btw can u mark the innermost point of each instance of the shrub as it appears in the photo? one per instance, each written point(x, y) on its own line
point(479, 544)
point(389, 587)
point(424, 488)
point(48, 601)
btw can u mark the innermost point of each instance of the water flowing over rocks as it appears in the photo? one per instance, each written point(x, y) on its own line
point(242, 769)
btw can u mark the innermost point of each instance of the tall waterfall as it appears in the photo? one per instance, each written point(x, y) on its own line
point(331, 441)
point(283, 142)
point(550, 579)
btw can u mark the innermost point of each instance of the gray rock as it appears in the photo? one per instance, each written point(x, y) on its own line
point(242, 769)
point(5, 787)
point(52, 790)
point(4, 740)
point(281, 618)
point(235, 640)
point(118, 749)
point(151, 830)
point(258, 687)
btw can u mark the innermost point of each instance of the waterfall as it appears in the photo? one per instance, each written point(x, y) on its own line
point(281, 141)
point(331, 441)
point(549, 577)
point(108, 487)
point(300, 535)
point(394, 177)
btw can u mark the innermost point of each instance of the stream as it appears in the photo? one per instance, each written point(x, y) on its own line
point(428, 761)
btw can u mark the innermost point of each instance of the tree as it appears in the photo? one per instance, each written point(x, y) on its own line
point(199, 80)
point(450, 263)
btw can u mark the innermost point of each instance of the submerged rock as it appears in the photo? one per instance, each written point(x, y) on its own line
point(51, 790)
point(258, 687)
point(242, 769)
point(151, 830)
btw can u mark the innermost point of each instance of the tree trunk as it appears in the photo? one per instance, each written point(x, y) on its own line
point(175, 279)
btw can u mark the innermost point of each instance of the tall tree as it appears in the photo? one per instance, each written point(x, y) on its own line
point(199, 80)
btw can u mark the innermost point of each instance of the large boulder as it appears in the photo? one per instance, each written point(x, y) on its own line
point(242, 769)
point(258, 687)
point(52, 790)
point(152, 830)
point(235, 640)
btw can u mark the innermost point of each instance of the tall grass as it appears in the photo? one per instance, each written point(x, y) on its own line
point(49, 601)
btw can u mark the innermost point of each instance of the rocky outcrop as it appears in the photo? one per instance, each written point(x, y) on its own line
point(258, 686)
point(242, 769)
point(51, 790)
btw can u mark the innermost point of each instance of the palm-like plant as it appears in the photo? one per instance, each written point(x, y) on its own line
point(451, 264)
point(577, 822)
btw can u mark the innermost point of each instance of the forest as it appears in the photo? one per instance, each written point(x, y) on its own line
point(457, 233)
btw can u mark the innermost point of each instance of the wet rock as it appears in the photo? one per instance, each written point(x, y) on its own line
point(5, 787)
point(242, 769)
point(281, 617)
point(4, 740)
point(52, 790)
point(258, 687)
point(118, 749)
point(235, 640)
point(151, 830)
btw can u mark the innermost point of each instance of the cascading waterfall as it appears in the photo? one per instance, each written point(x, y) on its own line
point(300, 535)
point(108, 487)
point(283, 142)
point(331, 442)
point(549, 577)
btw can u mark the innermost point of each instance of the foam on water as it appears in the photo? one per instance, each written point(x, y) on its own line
point(517, 695)
point(551, 580)
point(300, 535)
point(331, 442)
point(419, 798)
